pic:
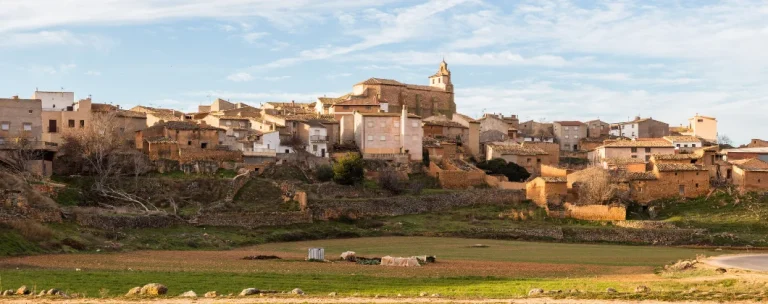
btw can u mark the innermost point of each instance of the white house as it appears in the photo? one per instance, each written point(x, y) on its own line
point(55, 101)
point(317, 138)
point(684, 143)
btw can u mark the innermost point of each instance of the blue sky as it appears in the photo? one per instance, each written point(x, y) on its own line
point(551, 60)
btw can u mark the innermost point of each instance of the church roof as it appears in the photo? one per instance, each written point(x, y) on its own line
point(381, 81)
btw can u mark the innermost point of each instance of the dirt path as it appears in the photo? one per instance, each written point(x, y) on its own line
point(756, 262)
point(351, 300)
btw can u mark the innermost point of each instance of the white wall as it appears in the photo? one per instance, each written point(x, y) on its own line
point(55, 100)
point(317, 148)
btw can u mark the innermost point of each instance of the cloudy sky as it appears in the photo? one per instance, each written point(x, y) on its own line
point(551, 60)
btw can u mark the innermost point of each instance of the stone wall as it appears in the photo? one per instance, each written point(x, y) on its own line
point(254, 219)
point(502, 182)
point(115, 222)
point(191, 155)
point(400, 205)
point(596, 212)
point(451, 177)
point(639, 236)
point(552, 171)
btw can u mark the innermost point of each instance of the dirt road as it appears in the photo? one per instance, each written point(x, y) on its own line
point(756, 262)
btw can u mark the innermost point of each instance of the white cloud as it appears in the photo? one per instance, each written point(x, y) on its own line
point(57, 37)
point(504, 58)
point(93, 73)
point(227, 27)
point(253, 37)
point(263, 96)
point(240, 77)
point(346, 19)
point(35, 14)
point(274, 78)
point(50, 70)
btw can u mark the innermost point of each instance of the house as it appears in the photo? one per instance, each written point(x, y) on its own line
point(703, 127)
point(54, 101)
point(155, 115)
point(59, 120)
point(528, 157)
point(127, 122)
point(288, 108)
point(236, 127)
point(498, 122)
point(597, 129)
point(389, 135)
point(422, 100)
point(640, 128)
point(440, 149)
point(745, 153)
point(641, 149)
point(21, 133)
point(750, 174)
point(757, 143)
point(547, 190)
point(314, 135)
point(568, 134)
point(221, 105)
point(188, 135)
point(685, 143)
point(624, 164)
point(473, 126)
point(441, 127)
point(536, 131)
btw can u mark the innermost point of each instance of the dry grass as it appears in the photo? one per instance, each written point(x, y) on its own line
point(31, 230)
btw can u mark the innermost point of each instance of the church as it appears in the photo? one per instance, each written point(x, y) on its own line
point(436, 98)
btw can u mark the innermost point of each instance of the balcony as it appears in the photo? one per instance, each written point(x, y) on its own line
point(318, 138)
point(260, 152)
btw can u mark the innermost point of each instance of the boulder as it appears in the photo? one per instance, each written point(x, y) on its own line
point(53, 292)
point(153, 289)
point(642, 289)
point(134, 291)
point(535, 292)
point(435, 295)
point(297, 291)
point(23, 290)
point(348, 256)
point(211, 294)
point(333, 294)
point(423, 294)
point(42, 293)
point(188, 294)
point(249, 292)
point(721, 270)
point(610, 290)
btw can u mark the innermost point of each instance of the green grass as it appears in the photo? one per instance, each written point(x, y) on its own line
point(498, 250)
point(12, 243)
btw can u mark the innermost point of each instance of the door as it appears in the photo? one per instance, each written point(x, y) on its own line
point(682, 190)
point(52, 126)
point(322, 152)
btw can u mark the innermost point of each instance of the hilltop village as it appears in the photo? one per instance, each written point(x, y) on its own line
point(586, 170)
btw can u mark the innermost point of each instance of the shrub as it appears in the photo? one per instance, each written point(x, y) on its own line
point(349, 169)
point(324, 173)
point(390, 181)
point(512, 171)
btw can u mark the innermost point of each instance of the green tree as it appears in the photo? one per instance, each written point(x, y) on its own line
point(348, 170)
point(324, 173)
point(512, 171)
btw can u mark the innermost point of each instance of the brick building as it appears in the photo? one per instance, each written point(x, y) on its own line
point(750, 174)
point(187, 134)
point(597, 128)
point(21, 133)
point(641, 149)
point(547, 190)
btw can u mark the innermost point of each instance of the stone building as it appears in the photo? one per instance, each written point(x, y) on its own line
point(473, 126)
point(529, 157)
point(497, 122)
point(423, 100)
point(685, 143)
point(597, 128)
point(545, 191)
point(57, 122)
point(536, 131)
point(441, 127)
point(21, 132)
point(757, 143)
point(155, 115)
point(188, 135)
point(750, 174)
point(745, 153)
point(568, 134)
point(640, 128)
point(641, 149)
point(389, 135)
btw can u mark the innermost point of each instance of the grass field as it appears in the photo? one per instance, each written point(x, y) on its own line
point(503, 269)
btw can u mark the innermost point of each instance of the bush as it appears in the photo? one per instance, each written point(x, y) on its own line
point(348, 170)
point(512, 171)
point(390, 181)
point(324, 173)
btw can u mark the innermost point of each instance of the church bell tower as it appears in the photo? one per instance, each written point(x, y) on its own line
point(442, 79)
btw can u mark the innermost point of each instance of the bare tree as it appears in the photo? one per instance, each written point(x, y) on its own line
point(17, 155)
point(102, 152)
point(724, 140)
point(596, 187)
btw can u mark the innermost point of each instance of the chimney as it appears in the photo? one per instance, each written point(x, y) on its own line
point(637, 117)
point(293, 103)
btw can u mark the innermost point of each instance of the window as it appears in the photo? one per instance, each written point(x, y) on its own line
point(370, 124)
point(575, 137)
point(697, 185)
point(71, 123)
point(189, 143)
point(647, 158)
point(528, 160)
point(203, 145)
point(700, 120)
point(397, 124)
point(634, 150)
point(685, 146)
point(678, 145)
point(565, 147)
point(314, 148)
point(634, 156)
point(693, 145)
point(30, 111)
point(566, 136)
point(647, 150)
point(370, 137)
point(27, 126)
point(287, 151)
point(566, 128)
point(697, 173)
point(367, 107)
point(82, 123)
point(5, 126)
point(383, 138)
point(575, 128)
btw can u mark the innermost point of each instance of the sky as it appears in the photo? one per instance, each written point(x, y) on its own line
point(541, 60)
